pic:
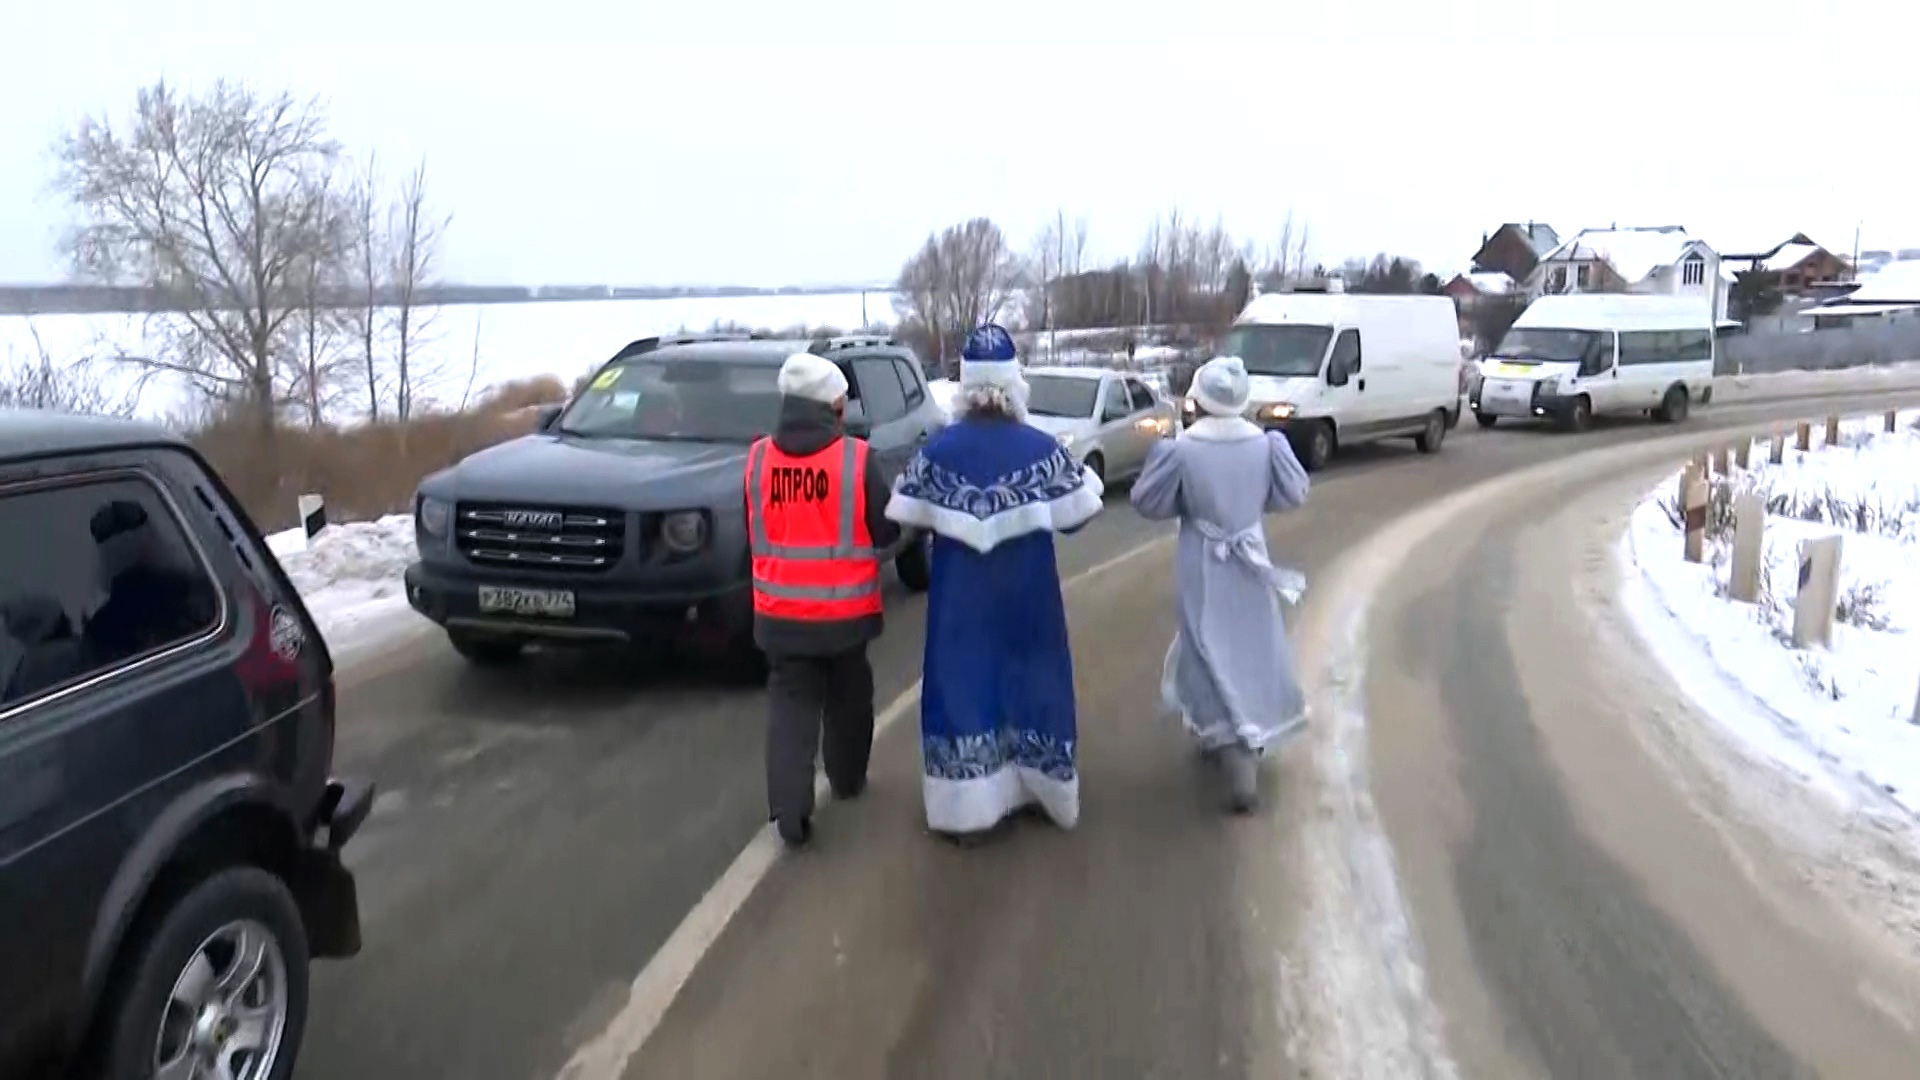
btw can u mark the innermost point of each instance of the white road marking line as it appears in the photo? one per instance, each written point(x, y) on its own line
point(653, 991)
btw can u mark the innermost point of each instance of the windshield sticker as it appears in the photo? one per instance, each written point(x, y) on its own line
point(626, 399)
point(606, 379)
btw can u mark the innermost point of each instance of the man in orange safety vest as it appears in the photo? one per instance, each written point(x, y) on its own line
point(816, 522)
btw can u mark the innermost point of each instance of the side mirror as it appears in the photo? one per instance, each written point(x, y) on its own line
point(545, 415)
point(855, 422)
point(1337, 371)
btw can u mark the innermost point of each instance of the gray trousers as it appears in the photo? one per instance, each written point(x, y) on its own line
point(805, 693)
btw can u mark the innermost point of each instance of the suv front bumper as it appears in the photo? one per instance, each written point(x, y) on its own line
point(606, 610)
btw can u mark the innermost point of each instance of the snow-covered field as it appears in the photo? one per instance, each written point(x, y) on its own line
point(350, 579)
point(511, 341)
point(1842, 715)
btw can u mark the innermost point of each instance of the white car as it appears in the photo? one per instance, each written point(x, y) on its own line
point(1106, 419)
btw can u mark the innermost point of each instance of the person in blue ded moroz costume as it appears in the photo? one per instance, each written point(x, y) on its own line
point(997, 724)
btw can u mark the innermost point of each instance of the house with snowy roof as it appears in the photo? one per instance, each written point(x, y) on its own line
point(1514, 249)
point(1892, 292)
point(1800, 262)
point(1661, 260)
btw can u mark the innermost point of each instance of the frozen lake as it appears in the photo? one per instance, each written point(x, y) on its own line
point(513, 341)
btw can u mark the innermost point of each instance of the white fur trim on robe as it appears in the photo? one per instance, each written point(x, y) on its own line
point(977, 803)
point(930, 496)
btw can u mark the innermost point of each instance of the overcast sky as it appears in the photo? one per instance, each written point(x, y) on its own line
point(777, 142)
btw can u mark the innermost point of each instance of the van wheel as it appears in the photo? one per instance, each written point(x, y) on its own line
point(1428, 441)
point(216, 985)
point(1316, 446)
point(1673, 407)
point(1579, 415)
point(1485, 420)
point(481, 650)
point(915, 564)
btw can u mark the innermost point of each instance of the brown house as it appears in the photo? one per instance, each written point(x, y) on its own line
point(1514, 249)
point(1801, 263)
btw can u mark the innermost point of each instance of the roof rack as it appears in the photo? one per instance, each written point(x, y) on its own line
point(649, 344)
point(852, 341)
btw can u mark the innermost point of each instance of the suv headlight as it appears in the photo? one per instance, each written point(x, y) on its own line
point(684, 531)
point(1279, 410)
point(432, 516)
point(1066, 439)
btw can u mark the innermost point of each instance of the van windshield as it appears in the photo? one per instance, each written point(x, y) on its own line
point(1293, 350)
point(1547, 346)
point(702, 400)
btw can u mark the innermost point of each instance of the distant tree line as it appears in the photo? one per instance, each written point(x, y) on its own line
point(1185, 273)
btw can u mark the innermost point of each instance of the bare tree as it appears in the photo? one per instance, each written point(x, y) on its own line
point(1058, 252)
point(958, 279)
point(214, 203)
point(317, 359)
point(416, 247)
point(368, 248)
point(38, 381)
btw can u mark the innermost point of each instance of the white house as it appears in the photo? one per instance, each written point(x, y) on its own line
point(1660, 260)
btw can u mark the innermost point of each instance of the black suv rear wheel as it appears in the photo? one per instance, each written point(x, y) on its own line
point(218, 977)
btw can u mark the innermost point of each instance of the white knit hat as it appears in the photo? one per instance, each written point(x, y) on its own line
point(807, 376)
point(1221, 386)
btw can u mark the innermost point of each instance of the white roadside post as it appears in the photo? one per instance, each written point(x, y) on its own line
point(313, 515)
point(1693, 501)
point(1743, 454)
point(1749, 529)
point(1813, 605)
point(1777, 448)
point(1833, 431)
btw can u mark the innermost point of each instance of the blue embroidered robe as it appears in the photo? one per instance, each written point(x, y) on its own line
point(997, 725)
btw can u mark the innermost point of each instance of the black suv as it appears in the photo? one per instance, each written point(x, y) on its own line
point(169, 833)
point(623, 517)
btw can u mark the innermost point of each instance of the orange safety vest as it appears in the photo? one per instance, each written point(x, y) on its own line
point(813, 559)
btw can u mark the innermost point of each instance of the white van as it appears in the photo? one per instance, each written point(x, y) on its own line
point(1334, 369)
point(1569, 358)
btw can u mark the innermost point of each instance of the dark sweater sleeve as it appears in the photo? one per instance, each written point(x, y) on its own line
point(883, 529)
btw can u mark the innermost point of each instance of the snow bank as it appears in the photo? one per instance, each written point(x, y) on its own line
point(350, 578)
point(1847, 708)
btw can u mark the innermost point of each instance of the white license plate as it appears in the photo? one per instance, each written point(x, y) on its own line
point(1502, 398)
point(501, 600)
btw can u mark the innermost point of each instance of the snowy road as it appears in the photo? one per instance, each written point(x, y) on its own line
point(544, 831)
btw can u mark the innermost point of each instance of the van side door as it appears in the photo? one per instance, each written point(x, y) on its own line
point(1600, 378)
point(1349, 404)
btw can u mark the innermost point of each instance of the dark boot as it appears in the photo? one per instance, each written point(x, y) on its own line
point(794, 829)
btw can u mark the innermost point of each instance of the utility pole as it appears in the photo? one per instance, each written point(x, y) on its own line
point(1853, 268)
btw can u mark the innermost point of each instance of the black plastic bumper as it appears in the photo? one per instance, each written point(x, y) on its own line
point(329, 897)
point(605, 611)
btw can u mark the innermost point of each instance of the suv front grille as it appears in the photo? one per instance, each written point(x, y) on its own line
point(585, 539)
